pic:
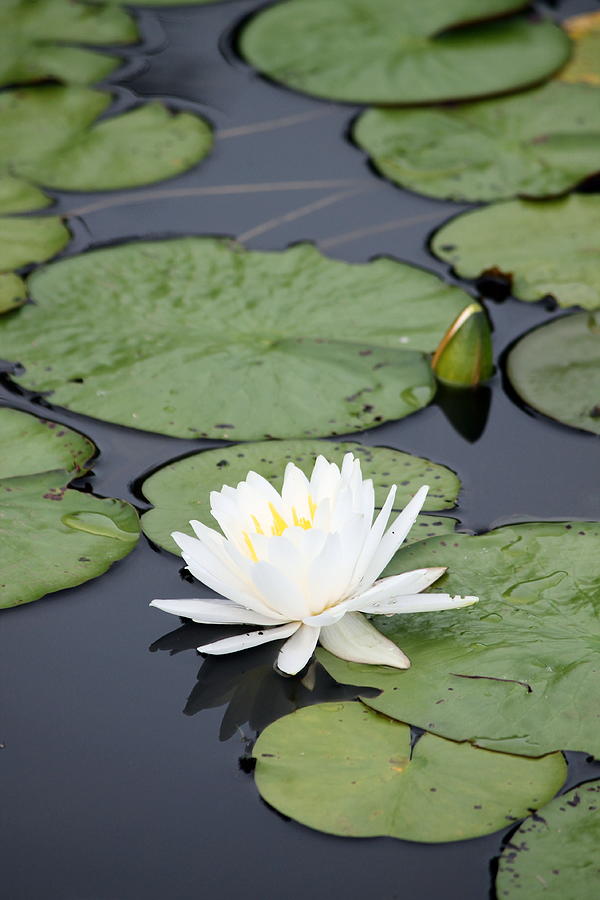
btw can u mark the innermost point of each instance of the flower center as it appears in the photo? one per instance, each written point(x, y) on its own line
point(278, 524)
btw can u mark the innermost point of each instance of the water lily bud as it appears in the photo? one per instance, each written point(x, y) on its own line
point(464, 355)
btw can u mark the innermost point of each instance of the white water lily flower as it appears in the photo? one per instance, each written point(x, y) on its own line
point(303, 565)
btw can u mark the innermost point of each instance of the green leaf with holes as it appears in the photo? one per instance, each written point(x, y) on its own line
point(545, 248)
point(53, 537)
point(31, 446)
point(49, 136)
point(556, 370)
point(538, 144)
point(402, 52)
point(39, 40)
point(554, 855)
point(180, 491)
point(520, 670)
point(344, 769)
point(198, 337)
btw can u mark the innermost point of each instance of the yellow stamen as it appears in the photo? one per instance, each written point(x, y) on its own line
point(257, 525)
point(312, 506)
point(250, 547)
point(301, 523)
point(279, 524)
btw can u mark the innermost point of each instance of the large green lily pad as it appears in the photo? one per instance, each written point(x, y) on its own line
point(180, 491)
point(35, 36)
point(344, 769)
point(520, 670)
point(539, 143)
point(31, 445)
point(399, 51)
point(584, 65)
point(554, 856)
point(548, 248)
point(556, 370)
point(52, 537)
point(48, 137)
point(198, 337)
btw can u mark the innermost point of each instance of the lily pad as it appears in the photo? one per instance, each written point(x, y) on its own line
point(48, 137)
point(180, 491)
point(198, 337)
point(519, 671)
point(30, 240)
point(584, 66)
point(399, 51)
point(31, 446)
point(555, 854)
point(53, 537)
point(17, 195)
point(556, 370)
point(343, 769)
point(544, 248)
point(13, 292)
point(35, 37)
point(539, 143)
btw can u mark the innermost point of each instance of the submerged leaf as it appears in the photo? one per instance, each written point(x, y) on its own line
point(399, 51)
point(343, 769)
point(538, 143)
point(520, 671)
point(555, 854)
point(180, 491)
point(198, 337)
point(556, 370)
point(545, 248)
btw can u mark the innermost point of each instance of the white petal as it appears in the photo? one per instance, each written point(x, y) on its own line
point(297, 651)
point(373, 539)
point(250, 639)
point(279, 592)
point(414, 603)
point(395, 586)
point(394, 537)
point(355, 639)
point(214, 612)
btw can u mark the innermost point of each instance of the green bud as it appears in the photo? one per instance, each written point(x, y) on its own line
point(464, 356)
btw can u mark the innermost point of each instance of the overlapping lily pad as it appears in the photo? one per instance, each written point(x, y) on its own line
point(584, 65)
point(539, 143)
point(48, 137)
point(197, 337)
point(39, 38)
point(556, 370)
point(402, 52)
point(52, 537)
point(554, 856)
point(519, 671)
point(344, 769)
point(180, 491)
point(30, 240)
point(548, 248)
point(13, 292)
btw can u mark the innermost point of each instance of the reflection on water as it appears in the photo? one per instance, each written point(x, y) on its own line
point(466, 409)
point(248, 687)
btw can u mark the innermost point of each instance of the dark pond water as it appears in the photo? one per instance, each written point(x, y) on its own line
point(120, 749)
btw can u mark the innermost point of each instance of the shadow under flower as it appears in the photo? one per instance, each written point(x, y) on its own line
point(246, 683)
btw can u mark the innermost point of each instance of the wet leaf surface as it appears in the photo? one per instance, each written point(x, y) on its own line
point(519, 671)
point(546, 248)
point(144, 337)
point(556, 370)
point(539, 143)
point(180, 491)
point(52, 537)
point(35, 39)
point(554, 855)
point(48, 137)
point(344, 769)
point(397, 51)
